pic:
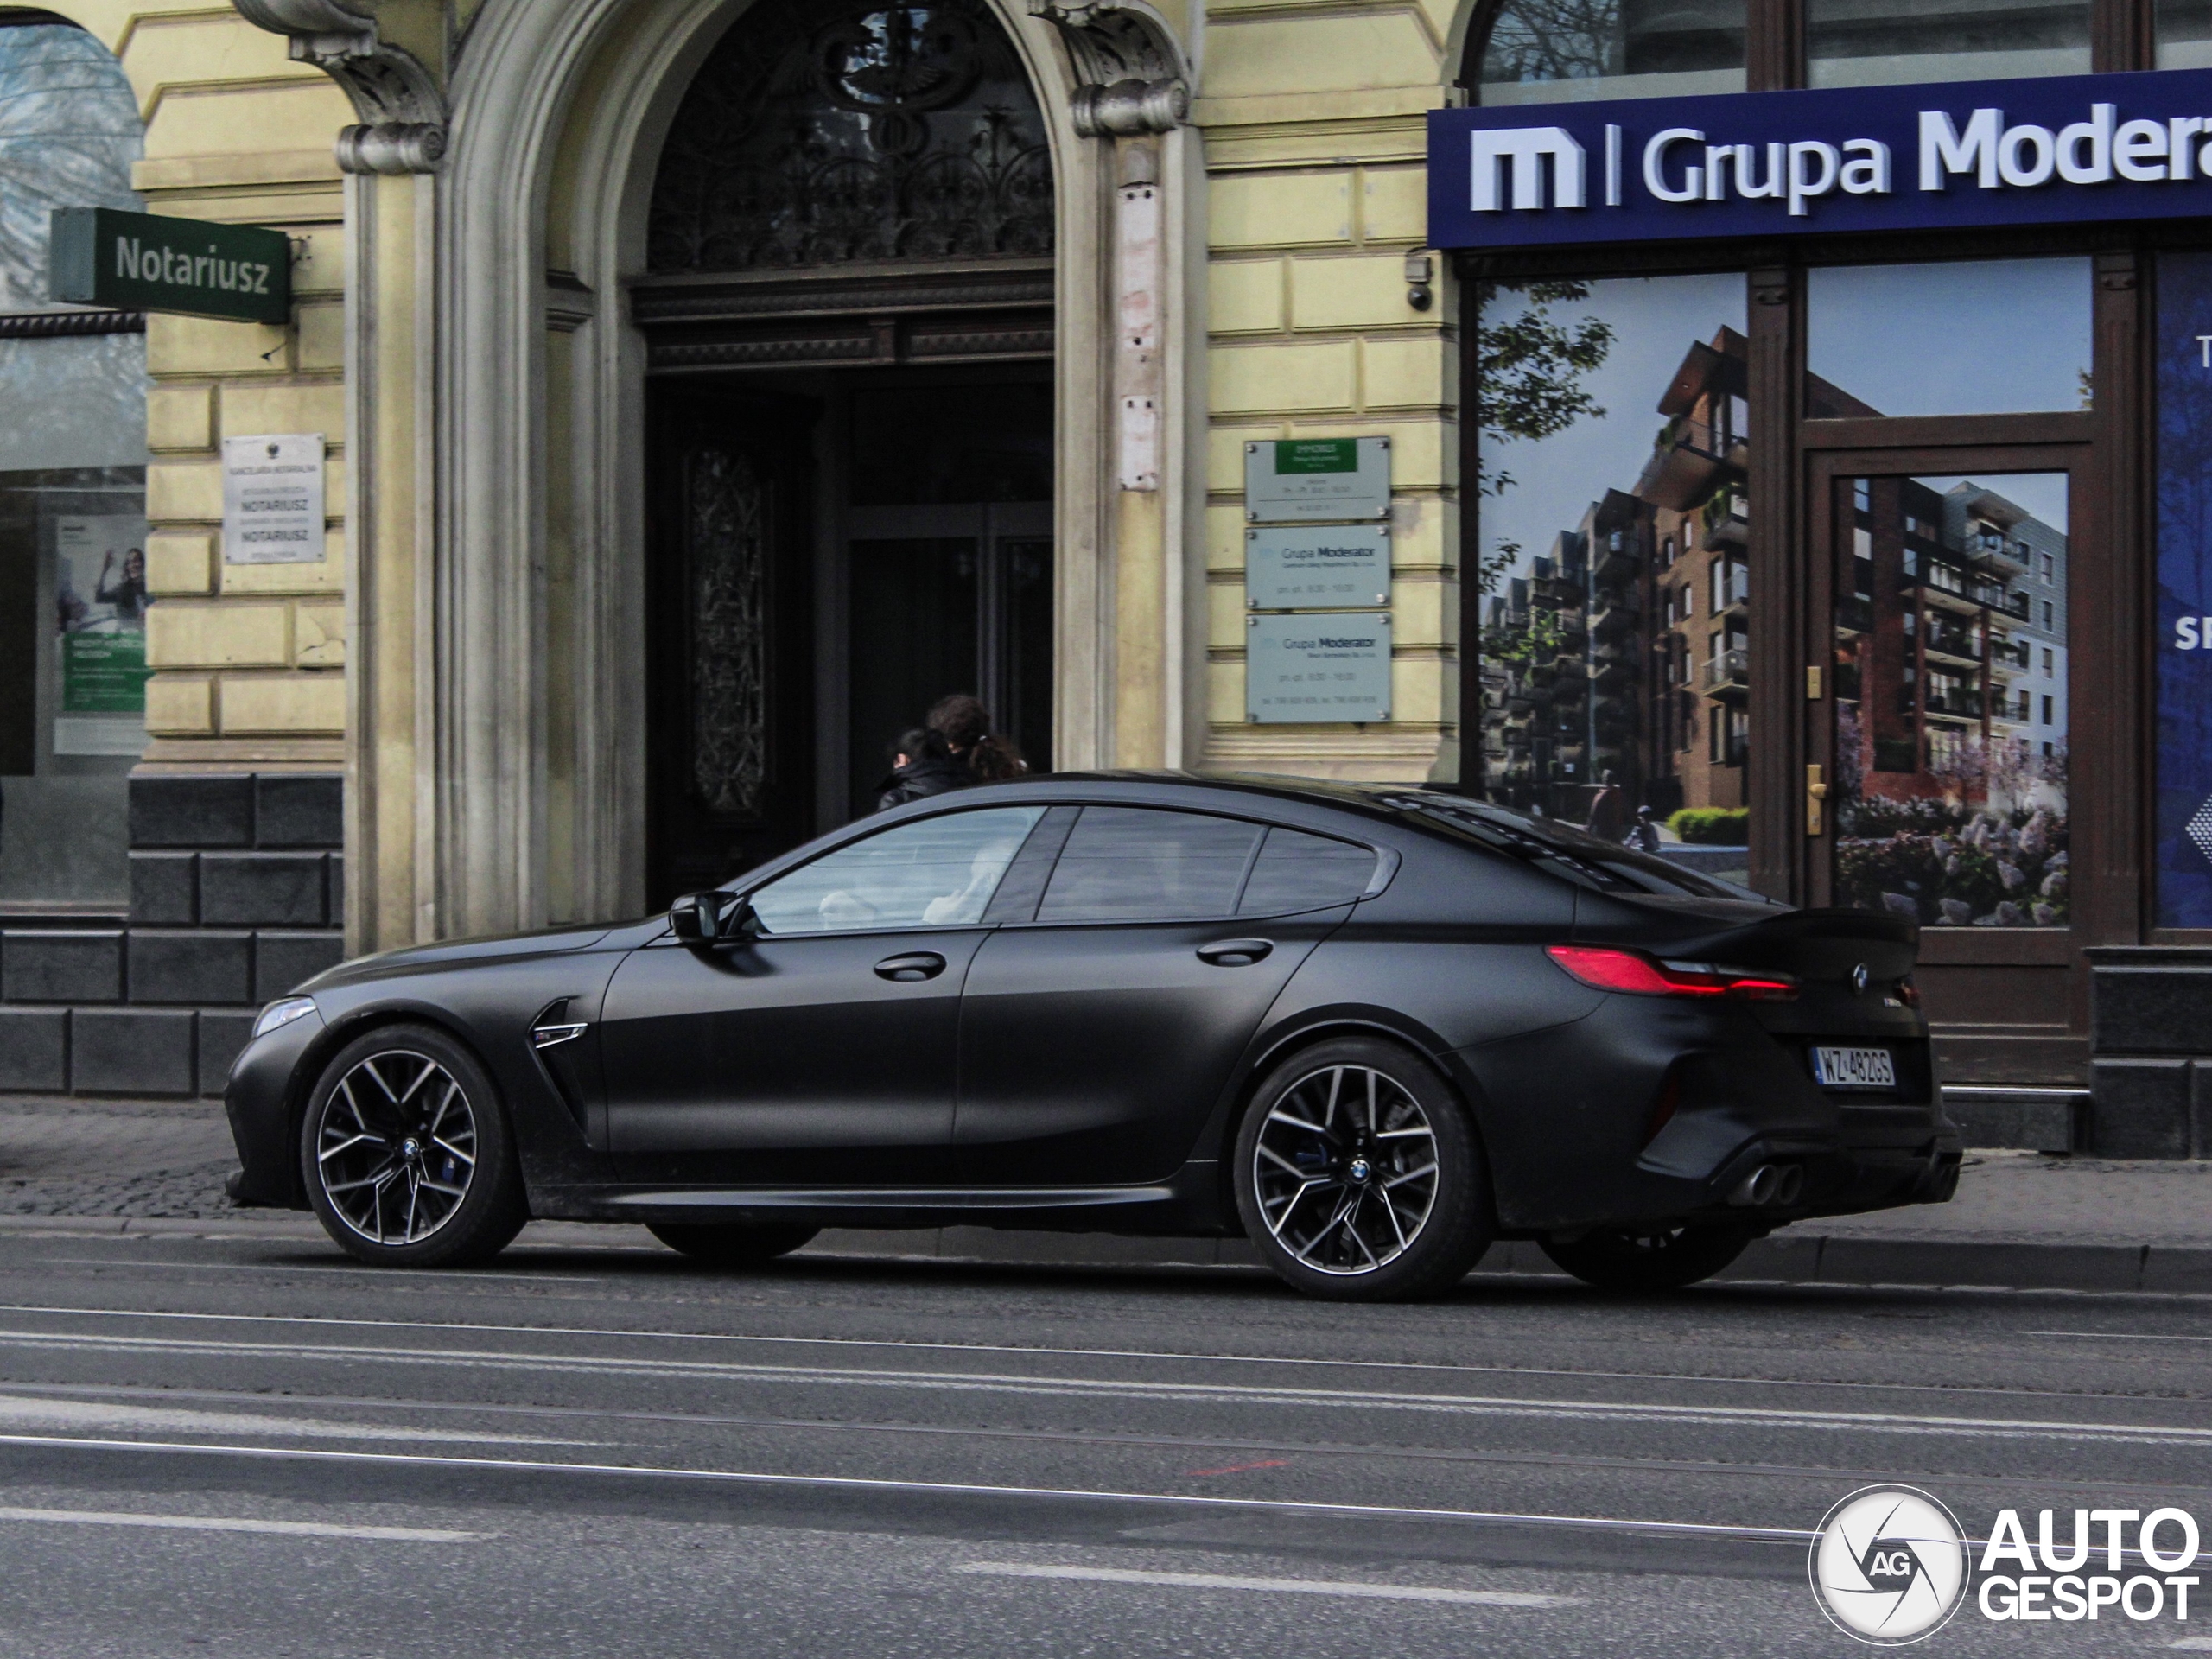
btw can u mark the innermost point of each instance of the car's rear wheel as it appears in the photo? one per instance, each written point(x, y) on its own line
point(1648, 1258)
point(406, 1154)
point(730, 1247)
point(1359, 1177)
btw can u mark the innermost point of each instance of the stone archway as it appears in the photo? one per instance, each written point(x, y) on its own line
point(494, 361)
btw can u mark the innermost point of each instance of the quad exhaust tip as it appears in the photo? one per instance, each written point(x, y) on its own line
point(1770, 1183)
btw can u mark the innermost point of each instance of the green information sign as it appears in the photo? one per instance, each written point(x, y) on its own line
point(1316, 456)
point(140, 262)
point(1309, 480)
point(104, 673)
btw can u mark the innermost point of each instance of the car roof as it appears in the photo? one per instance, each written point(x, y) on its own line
point(1218, 791)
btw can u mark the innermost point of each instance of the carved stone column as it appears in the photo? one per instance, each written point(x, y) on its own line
point(392, 156)
point(1132, 88)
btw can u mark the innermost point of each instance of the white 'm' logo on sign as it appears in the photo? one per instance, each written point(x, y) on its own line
point(1525, 148)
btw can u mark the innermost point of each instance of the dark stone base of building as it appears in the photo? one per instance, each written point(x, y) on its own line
point(2151, 1058)
point(237, 888)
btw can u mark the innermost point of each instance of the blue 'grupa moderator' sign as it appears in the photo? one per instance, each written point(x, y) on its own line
point(1873, 158)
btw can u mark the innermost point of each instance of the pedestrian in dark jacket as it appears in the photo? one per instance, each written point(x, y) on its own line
point(922, 764)
point(965, 725)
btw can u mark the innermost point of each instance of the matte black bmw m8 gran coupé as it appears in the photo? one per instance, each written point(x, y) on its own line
point(1371, 1028)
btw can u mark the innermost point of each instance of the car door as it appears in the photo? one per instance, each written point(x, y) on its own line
point(823, 1050)
point(1095, 1038)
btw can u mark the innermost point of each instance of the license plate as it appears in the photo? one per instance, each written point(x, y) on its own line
point(1855, 1068)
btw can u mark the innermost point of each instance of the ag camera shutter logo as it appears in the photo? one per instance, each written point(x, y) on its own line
point(1888, 1565)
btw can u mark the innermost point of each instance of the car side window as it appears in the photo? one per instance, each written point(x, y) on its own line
point(937, 872)
point(1139, 864)
point(1297, 871)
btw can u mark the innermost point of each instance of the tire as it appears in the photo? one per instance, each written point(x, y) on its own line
point(723, 1246)
point(1389, 1206)
point(1664, 1258)
point(407, 1155)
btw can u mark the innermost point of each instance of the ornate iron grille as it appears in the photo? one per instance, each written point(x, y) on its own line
point(829, 134)
point(730, 514)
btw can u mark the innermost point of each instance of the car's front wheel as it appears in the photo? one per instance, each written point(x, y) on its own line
point(1648, 1258)
point(722, 1246)
point(406, 1155)
point(1359, 1176)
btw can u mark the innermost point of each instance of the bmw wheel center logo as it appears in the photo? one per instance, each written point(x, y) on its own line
point(1889, 1564)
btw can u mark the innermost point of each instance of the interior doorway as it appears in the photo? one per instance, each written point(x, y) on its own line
point(829, 554)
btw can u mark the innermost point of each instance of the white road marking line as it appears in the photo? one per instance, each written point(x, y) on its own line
point(1020, 1350)
point(2193, 1644)
point(2119, 1336)
point(349, 1269)
point(225, 1523)
point(1121, 1389)
point(872, 1484)
point(1293, 1587)
point(30, 1411)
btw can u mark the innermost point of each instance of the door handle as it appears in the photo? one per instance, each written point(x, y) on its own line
point(1235, 953)
point(912, 969)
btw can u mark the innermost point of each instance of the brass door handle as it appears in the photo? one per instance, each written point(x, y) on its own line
point(1815, 793)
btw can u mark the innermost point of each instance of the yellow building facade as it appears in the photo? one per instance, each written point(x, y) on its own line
point(486, 340)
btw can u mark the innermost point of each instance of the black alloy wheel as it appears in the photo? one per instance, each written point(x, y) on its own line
point(1359, 1177)
point(406, 1154)
point(722, 1246)
point(1648, 1259)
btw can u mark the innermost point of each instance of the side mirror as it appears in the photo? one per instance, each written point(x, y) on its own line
point(710, 917)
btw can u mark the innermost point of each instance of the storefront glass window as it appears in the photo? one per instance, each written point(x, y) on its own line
point(2184, 33)
point(1950, 676)
point(1946, 338)
point(1881, 42)
point(72, 454)
point(1614, 519)
point(1547, 51)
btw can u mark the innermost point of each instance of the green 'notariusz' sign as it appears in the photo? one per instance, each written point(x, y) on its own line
point(139, 262)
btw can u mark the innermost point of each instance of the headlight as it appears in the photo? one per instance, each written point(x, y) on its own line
point(282, 1012)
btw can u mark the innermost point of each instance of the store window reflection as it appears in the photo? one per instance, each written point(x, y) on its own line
point(1614, 525)
point(72, 454)
point(1946, 338)
point(2184, 33)
point(1881, 42)
point(1547, 51)
point(1950, 696)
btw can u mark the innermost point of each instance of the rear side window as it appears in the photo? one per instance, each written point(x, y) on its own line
point(1136, 864)
point(1296, 871)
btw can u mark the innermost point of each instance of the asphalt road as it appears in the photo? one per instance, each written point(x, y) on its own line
point(256, 1448)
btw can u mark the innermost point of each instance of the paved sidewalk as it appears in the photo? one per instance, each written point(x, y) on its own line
point(2020, 1219)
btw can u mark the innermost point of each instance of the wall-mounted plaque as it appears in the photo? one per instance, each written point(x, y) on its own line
point(272, 499)
point(1301, 480)
point(1323, 666)
point(1317, 567)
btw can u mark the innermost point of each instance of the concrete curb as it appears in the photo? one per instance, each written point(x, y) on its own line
point(1788, 1259)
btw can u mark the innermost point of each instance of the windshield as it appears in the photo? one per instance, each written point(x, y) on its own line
point(1574, 854)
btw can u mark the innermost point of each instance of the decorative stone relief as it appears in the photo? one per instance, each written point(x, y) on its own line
point(1133, 80)
point(402, 127)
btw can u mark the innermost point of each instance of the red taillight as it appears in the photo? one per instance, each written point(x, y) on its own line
point(1908, 993)
point(1604, 969)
